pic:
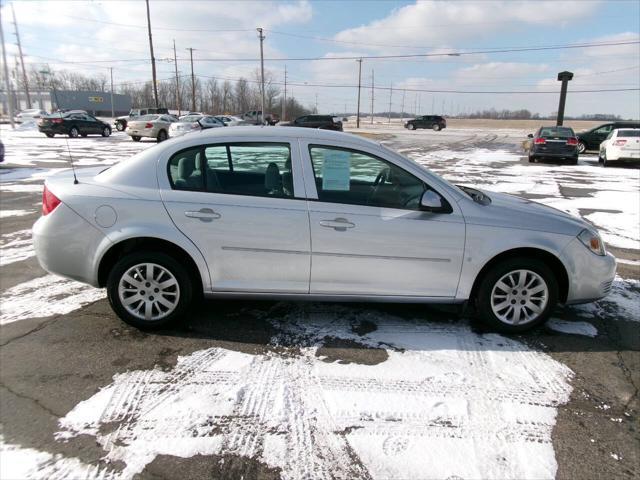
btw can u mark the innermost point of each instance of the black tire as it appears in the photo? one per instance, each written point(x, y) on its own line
point(120, 126)
point(74, 132)
point(106, 131)
point(489, 280)
point(167, 262)
point(83, 135)
point(411, 126)
point(162, 136)
point(573, 161)
point(135, 138)
point(582, 147)
point(436, 127)
point(50, 135)
point(532, 158)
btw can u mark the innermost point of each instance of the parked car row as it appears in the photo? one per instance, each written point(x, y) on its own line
point(561, 143)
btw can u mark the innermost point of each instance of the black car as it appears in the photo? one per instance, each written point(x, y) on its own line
point(591, 139)
point(74, 124)
point(323, 122)
point(554, 143)
point(435, 122)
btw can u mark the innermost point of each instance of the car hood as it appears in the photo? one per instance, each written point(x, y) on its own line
point(511, 211)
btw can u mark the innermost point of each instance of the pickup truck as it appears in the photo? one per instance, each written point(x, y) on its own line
point(121, 122)
point(255, 118)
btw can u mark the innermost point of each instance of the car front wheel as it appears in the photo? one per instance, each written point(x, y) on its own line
point(120, 126)
point(517, 295)
point(436, 127)
point(149, 289)
point(106, 131)
point(581, 147)
point(411, 126)
point(162, 136)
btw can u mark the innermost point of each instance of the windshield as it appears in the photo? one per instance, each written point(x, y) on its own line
point(629, 133)
point(556, 132)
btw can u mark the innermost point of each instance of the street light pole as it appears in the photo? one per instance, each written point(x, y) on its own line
point(359, 84)
point(261, 36)
point(153, 59)
point(112, 109)
point(193, 82)
point(175, 62)
point(563, 77)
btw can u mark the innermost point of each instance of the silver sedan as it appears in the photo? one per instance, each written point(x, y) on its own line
point(309, 214)
point(150, 126)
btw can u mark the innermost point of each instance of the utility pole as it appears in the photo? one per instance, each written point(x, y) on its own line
point(359, 84)
point(112, 110)
point(193, 82)
point(25, 81)
point(175, 62)
point(419, 101)
point(316, 103)
point(433, 104)
point(390, 96)
point(6, 74)
point(404, 93)
point(442, 112)
point(284, 103)
point(372, 95)
point(153, 59)
point(261, 37)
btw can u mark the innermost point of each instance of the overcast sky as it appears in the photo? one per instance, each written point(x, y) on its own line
point(110, 33)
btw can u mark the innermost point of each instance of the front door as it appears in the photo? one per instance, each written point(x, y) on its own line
point(236, 202)
point(369, 235)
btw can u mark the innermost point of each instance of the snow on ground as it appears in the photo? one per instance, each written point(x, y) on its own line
point(16, 246)
point(445, 401)
point(573, 328)
point(45, 296)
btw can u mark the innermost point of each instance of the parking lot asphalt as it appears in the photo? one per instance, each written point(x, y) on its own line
point(261, 390)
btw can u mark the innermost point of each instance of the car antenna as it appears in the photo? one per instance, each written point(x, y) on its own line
point(73, 168)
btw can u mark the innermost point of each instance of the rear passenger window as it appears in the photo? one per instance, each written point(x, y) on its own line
point(255, 169)
point(185, 171)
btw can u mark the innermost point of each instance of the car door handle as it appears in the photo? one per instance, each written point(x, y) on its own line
point(338, 224)
point(204, 214)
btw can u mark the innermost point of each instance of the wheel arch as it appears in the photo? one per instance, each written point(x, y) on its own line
point(551, 260)
point(136, 244)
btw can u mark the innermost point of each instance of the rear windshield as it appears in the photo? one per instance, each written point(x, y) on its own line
point(190, 118)
point(556, 132)
point(629, 133)
point(148, 117)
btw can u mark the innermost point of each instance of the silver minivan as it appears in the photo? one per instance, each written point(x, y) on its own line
point(309, 214)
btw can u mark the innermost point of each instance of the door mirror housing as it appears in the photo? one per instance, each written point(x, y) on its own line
point(433, 202)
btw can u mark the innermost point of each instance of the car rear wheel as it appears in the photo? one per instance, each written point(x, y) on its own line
point(581, 147)
point(120, 126)
point(50, 135)
point(149, 289)
point(135, 138)
point(162, 136)
point(106, 131)
point(517, 295)
point(604, 159)
point(436, 127)
point(83, 135)
point(74, 132)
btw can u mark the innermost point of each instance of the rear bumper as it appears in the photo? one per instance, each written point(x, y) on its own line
point(66, 244)
point(54, 129)
point(144, 132)
point(590, 275)
point(554, 155)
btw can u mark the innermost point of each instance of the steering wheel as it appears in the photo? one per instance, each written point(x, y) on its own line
point(381, 178)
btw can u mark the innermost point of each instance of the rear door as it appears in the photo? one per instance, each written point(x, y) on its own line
point(243, 206)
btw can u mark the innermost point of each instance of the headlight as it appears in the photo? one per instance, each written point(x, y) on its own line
point(592, 241)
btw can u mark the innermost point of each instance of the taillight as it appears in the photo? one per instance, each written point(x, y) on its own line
point(572, 141)
point(56, 120)
point(619, 142)
point(539, 141)
point(49, 201)
point(149, 125)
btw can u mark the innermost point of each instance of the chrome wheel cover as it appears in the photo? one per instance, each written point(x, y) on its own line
point(519, 297)
point(149, 291)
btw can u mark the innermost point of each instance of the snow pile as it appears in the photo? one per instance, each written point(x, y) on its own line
point(573, 328)
point(45, 296)
point(446, 402)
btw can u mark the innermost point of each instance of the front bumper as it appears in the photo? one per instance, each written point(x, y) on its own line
point(590, 275)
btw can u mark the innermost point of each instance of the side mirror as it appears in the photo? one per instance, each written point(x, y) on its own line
point(431, 202)
point(530, 135)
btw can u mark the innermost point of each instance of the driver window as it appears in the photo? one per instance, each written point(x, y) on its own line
point(358, 178)
point(605, 129)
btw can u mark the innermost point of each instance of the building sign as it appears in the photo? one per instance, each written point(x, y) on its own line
point(96, 99)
